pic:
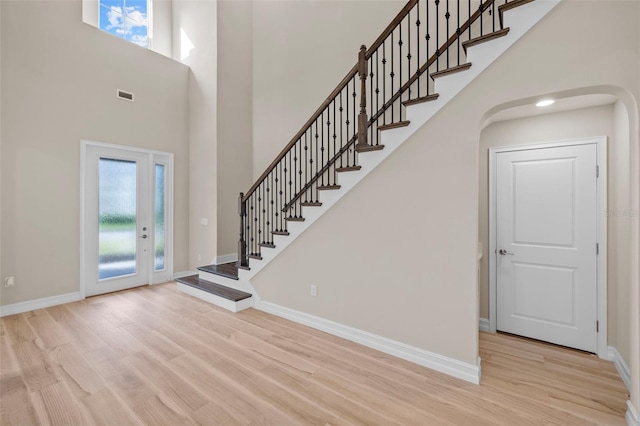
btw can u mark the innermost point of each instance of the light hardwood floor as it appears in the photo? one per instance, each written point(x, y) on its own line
point(153, 355)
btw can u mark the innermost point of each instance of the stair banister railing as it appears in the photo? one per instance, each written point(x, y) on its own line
point(395, 77)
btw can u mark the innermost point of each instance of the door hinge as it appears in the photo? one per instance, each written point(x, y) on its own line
point(597, 171)
point(597, 248)
point(597, 326)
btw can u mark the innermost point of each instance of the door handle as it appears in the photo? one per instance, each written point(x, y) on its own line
point(503, 252)
point(144, 236)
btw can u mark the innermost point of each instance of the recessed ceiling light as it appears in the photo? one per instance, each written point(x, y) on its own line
point(545, 103)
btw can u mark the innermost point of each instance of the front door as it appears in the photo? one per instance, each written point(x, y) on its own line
point(124, 219)
point(546, 244)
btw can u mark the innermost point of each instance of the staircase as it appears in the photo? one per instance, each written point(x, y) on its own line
point(429, 52)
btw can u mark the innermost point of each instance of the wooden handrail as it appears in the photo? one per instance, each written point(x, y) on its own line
point(359, 137)
point(399, 17)
point(394, 98)
point(353, 72)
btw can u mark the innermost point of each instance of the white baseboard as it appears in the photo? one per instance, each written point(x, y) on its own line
point(183, 274)
point(484, 325)
point(450, 366)
point(632, 417)
point(225, 258)
point(45, 302)
point(623, 369)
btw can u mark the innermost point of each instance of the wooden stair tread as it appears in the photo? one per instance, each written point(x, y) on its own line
point(255, 256)
point(227, 270)
point(348, 169)
point(280, 232)
point(420, 100)
point(508, 6)
point(328, 187)
point(367, 148)
point(294, 219)
point(452, 70)
point(311, 204)
point(268, 245)
point(474, 41)
point(213, 288)
point(394, 125)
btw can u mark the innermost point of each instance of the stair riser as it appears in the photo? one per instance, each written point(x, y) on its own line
point(240, 284)
point(216, 300)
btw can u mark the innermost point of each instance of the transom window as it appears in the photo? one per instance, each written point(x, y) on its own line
point(128, 19)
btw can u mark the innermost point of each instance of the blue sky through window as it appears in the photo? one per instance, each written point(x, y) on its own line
point(126, 19)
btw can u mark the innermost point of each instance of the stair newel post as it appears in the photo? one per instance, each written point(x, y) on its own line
point(362, 117)
point(242, 244)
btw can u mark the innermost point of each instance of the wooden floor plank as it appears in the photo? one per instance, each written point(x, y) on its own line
point(154, 355)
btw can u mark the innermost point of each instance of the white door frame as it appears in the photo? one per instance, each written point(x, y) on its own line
point(601, 231)
point(154, 277)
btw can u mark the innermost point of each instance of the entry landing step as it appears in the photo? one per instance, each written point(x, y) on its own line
point(217, 294)
point(227, 270)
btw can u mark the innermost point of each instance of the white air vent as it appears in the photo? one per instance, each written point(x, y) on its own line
point(127, 96)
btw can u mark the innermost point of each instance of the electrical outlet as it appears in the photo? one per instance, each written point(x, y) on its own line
point(314, 290)
point(9, 281)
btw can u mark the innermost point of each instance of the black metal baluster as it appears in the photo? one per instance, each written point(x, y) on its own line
point(290, 169)
point(317, 146)
point(259, 213)
point(334, 138)
point(355, 123)
point(447, 15)
point(377, 84)
point(281, 225)
point(392, 75)
point(480, 15)
point(287, 180)
point(437, 35)
point(328, 143)
point(256, 222)
point(384, 79)
point(409, 53)
point(249, 225)
point(371, 112)
point(306, 163)
point(294, 172)
point(458, 31)
point(427, 38)
point(341, 128)
point(469, 38)
point(263, 212)
point(271, 210)
point(418, 47)
point(400, 43)
point(322, 146)
point(301, 178)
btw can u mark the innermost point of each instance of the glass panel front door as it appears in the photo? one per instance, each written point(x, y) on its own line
point(127, 207)
point(117, 213)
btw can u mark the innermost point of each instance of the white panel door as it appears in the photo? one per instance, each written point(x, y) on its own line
point(546, 244)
